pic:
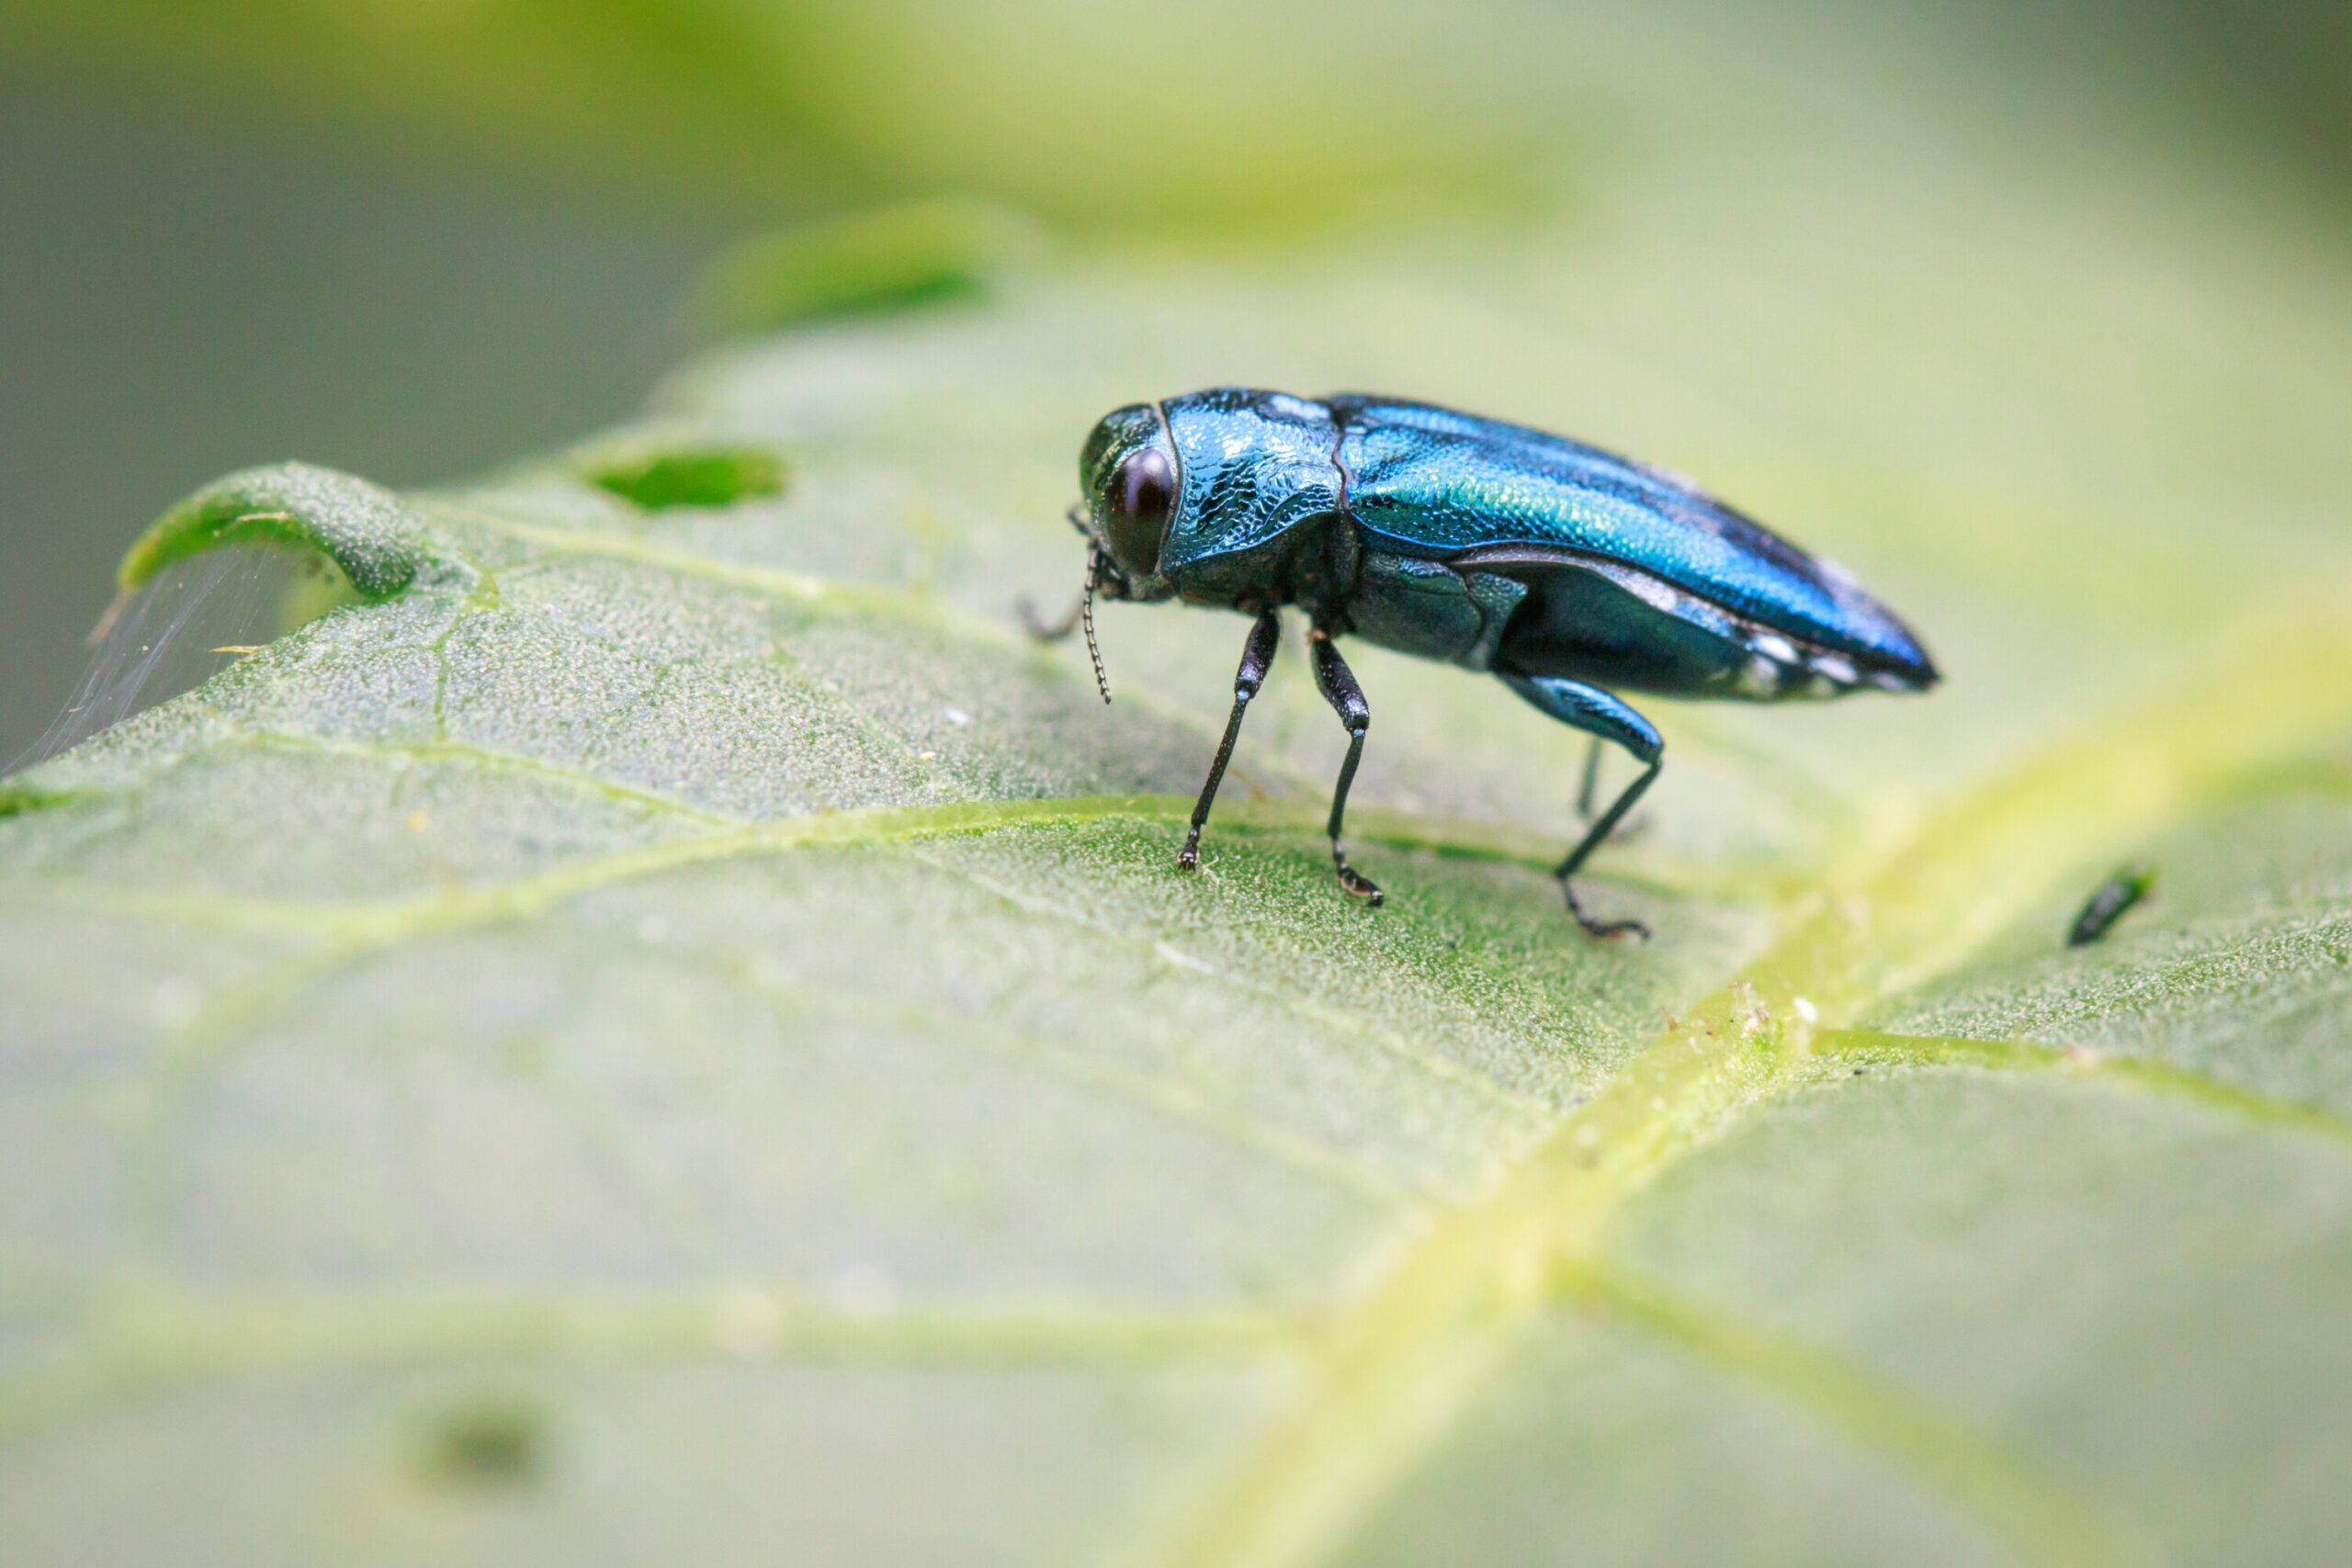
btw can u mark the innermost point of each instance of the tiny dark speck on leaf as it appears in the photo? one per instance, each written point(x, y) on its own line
point(2109, 902)
point(717, 475)
point(493, 1445)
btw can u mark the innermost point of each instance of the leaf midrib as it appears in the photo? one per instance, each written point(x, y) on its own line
point(1392, 1374)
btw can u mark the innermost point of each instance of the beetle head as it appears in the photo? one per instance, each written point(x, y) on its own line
point(1129, 473)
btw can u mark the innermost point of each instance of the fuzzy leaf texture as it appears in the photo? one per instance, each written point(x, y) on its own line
point(661, 1027)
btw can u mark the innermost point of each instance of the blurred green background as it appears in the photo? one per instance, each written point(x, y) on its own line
point(414, 240)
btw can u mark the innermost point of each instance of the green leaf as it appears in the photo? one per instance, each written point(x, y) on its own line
point(672, 1029)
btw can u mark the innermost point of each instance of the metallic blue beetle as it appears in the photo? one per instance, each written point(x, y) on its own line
point(1560, 569)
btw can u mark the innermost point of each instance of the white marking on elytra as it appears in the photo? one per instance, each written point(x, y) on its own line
point(1777, 663)
point(1649, 590)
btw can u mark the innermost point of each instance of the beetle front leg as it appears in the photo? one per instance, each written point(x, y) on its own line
point(1257, 658)
point(1043, 630)
point(1597, 714)
point(1340, 689)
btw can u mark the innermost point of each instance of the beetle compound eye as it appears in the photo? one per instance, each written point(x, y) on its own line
point(1143, 494)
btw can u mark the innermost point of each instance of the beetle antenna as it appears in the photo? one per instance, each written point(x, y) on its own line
point(1086, 618)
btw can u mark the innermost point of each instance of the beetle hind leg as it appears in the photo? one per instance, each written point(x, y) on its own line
point(1340, 689)
point(1597, 714)
point(1592, 780)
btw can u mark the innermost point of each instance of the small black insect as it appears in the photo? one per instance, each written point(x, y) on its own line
point(2108, 903)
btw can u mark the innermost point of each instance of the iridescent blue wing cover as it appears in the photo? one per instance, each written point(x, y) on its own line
point(1637, 576)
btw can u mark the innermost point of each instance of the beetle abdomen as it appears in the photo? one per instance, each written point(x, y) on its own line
point(1618, 628)
point(1431, 610)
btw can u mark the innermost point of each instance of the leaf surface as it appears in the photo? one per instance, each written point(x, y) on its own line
point(673, 1030)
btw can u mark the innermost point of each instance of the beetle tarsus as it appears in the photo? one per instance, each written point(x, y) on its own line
point(1356, 882)
point(1257, 658)
point(1591, 841)
point(1599, 929)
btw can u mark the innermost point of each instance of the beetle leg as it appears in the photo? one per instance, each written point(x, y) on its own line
point(1597, 713)
point(1591, 776)
point(1257, 658)
point(1043, 630)
point(1340, 689)
point(1081, 615)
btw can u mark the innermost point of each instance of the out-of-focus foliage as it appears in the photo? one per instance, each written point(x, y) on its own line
point(883, 260)
point(677, 1033)
point(1219, 112)
point(1222, 112)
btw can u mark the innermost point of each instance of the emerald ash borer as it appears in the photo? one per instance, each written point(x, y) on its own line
point(1568, 573)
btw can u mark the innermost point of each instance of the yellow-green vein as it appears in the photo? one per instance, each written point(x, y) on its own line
point(1390, 1377)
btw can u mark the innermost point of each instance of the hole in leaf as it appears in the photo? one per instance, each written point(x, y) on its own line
point(716, 476)
point(896, 257)
point(195, 618)
point(17, 801)
point(494, 1445)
